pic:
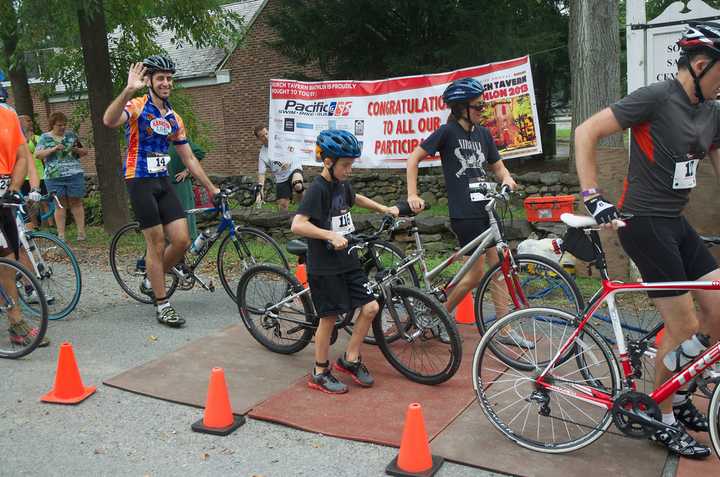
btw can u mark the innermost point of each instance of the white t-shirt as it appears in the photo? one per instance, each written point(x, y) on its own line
point(280, 170)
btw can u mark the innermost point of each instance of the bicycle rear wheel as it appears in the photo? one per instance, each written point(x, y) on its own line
point(127, 261)
point(27, 327)
point(389, 256)
point(59, 274)
point(249, 247)
point(714, 420)
point(286, 328)
point(530, 414)
point(427, 348)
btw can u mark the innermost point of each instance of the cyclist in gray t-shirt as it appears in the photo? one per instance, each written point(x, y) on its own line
point(674, 128)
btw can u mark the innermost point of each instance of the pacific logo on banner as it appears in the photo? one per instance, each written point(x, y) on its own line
point(392, 117)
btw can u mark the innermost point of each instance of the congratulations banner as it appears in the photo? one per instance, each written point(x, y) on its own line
point(391, 117)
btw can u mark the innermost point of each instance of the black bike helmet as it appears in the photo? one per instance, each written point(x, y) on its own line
point(157, 63)
point(701, 38)
point(336, 143)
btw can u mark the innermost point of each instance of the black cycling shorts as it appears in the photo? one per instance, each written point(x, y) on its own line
point(666, 250)
point(466, 230)
point(10, 241)
point(336, 294)
point(284, 190)
point(154, 201)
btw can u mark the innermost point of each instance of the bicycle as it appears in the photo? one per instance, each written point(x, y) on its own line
point(277, 311)
point(53, 263)
point(239, 248)
point(35, 320)
point(566, 391)
point(516, 281)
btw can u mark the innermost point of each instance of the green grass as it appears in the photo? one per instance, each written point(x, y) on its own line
point(562, 134)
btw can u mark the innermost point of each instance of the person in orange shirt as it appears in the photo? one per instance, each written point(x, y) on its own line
point(14, 160)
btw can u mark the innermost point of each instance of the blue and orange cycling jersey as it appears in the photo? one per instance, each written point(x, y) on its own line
point(148, 134)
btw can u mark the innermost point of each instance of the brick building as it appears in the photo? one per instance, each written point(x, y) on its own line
point(229, 90)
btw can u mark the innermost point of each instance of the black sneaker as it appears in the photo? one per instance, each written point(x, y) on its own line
point(678, 441)
point(168, 316)
point(689, 416)
point(326, 383)
point(356, 370)
point(146, 288)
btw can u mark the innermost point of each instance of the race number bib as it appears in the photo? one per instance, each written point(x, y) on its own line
point(342, 224)
point(685, 173)
point(4, 184)
point(479, 189)
point(157, 164)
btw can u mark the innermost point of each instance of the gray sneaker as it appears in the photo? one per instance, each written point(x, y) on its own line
point(513, 338)
point(326, 383)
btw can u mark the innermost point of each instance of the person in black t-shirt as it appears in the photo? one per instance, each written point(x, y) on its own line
point(337, 281)
point(465, 148)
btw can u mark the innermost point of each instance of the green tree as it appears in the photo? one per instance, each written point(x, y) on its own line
point(367, 39)
point(99, 40)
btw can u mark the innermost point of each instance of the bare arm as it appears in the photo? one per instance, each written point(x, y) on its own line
point(44, 153)
point(193, 165)
point(302, 226)
point(370, 204)
point(32, 172)
point(115, 114)
point(416, 203)
point(587, 136)
point(503, 174)
point(20, 170)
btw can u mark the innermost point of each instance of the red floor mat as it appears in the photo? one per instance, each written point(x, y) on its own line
point(375, 414)
point(706, 467)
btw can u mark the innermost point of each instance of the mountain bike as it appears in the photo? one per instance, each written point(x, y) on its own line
point(240, 248)
point(566, 391)
point(423, 343)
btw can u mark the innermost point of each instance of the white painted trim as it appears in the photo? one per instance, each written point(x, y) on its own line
point(220, 77)
point(635, 41)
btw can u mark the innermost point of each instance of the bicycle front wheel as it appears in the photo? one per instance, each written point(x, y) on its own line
point(283, 328)
point(542, 282)
point(714, 418)
point(427, 347)
point(127, 261)
point(249, 247)
point(25, 327)
point(532, 414)
point(59, 274)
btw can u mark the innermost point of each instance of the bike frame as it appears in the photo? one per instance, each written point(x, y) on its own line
point(607, 295)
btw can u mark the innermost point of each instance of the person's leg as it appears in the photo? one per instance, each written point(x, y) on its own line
point(298, 184)
point(360, 328)
point(179, 237)
point(60, 213)
point(154, 264)
point(77, 209)
point(709, 308)
point(468, 282)
point(283, 205)
point(322, 342)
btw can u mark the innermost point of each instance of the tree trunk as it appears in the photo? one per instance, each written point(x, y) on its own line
point(542, 81)
point(108, 162)
point(16, 72)
point(594, 63)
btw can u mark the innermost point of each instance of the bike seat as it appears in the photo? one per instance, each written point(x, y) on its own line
point(297, 247)
point(578, 221)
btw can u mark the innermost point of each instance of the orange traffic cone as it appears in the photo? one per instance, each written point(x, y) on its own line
point(68, 388)
point(414, 458)
point(218, 419)
point(464, 312)
point(659, 337)
point(301, 274)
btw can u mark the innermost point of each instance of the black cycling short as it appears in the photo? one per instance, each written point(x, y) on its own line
point(666, 250)
point(336, 294)
point(25, 189)
point(466, 230)
point(285, 189)
point(154, 201)
point(10, 241)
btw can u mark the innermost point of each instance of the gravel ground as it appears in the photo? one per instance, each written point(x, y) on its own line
point(119, 433)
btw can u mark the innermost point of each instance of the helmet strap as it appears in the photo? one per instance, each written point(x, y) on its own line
point(696, 78)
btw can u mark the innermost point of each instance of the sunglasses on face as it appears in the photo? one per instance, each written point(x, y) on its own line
point(477, 107)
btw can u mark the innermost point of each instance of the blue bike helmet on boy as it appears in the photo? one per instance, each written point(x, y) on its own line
point(336, 143)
